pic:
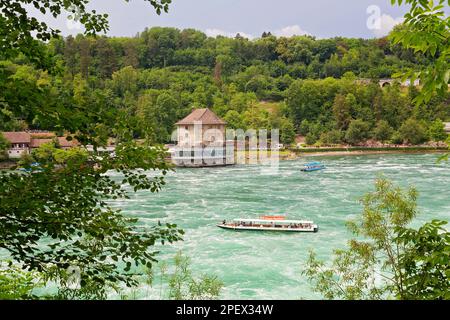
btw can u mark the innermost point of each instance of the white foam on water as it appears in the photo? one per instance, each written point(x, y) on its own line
point(257, 265)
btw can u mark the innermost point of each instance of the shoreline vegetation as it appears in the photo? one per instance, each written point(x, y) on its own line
point(293, 153)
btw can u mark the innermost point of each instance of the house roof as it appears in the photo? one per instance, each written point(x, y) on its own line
point(205, 116)
point(64, 143)
point(17, 137)
point(42, 135)
point(36, 143)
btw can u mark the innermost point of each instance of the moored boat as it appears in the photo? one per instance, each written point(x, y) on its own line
point(270, 223)
point(313, 166)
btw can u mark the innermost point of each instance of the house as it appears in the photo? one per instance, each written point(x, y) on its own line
point(20, 143)
point(24, 142)
point(61, 142)
point(201, 141)
point(67, 144)
point(36, 143)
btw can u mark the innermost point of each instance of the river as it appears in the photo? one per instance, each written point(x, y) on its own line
point(256, 265)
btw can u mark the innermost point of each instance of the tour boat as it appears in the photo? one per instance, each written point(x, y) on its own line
point(270, 223)
point(313, 166)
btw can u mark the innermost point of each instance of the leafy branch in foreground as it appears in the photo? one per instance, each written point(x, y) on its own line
point(57, 216)
point(425, 30)
point(393, 261)
point(16, 283)
point(178, 281)
point(19, 29)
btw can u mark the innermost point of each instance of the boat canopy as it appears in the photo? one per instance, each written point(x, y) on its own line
point(274, 221)
point(314, 164)
point(273, 217)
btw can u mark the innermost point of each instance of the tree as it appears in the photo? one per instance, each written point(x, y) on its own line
point(341, 112)
point(426, 31)
point(425, 262)
point(436, 131)
point(311, 139)
point(20, 29)
point(332, 137)
point(383, 262)
point(287, 131)
point(16, 284)
point(4, 146)
point(182, 282)
point(234, 120)
point(412, 131)
point(105, 61)
point(358, 131)
point(383, 131)
point(64, 220)
point(125, 81)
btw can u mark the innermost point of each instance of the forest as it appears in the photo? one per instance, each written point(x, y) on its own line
point(300, 85)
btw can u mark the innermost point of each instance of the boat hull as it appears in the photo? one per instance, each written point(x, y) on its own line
point(310, 170)
point(241, 228)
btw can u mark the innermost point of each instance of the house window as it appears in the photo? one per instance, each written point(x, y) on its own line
point(186, 127)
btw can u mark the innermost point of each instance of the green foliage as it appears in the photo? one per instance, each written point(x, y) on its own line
point(64, 220)
point(311, 139)
point(26, 160)
point(332, 137)
point(397, 138)
point(234, 120)
point(17, 284)
point(287, 132)
point(20, 28)
point(387, 259)
point(357, 132)
point(182, 283)
point(341, 111)
point(426, 261)
point(436, 131)
point(412, 131)
point(383, 131)
point(56, 216)
point(426, 31)
point(4, 145)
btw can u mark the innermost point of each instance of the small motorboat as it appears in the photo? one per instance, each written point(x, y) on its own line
point(270, 223)
point(313, 166)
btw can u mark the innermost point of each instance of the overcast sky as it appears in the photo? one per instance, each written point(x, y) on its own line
point(320, 18)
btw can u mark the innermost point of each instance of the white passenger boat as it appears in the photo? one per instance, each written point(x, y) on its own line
point(270, 223)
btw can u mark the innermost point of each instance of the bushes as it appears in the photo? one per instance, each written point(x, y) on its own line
point(436, 131)
point(358, 131)
point(4, 144)
point(383, 131)
point(413, 132)
point(332, 137)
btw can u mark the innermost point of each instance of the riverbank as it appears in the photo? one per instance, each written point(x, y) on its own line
point(365, 150)
point(293, 154)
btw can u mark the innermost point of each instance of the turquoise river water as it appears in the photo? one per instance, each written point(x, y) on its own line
point(256, 265)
